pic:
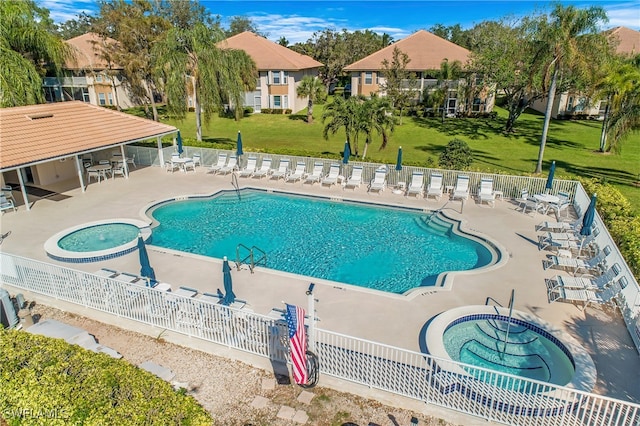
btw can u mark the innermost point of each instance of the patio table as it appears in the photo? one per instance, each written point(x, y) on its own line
point(181, 162)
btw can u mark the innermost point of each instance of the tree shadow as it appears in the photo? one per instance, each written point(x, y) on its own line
point(621, 177)
point(301, 117)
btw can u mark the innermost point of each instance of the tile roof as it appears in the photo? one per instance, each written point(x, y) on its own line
point(628, 40)
point(269, 55)
point(426, 51)
point(88, 48)
point(36, 133)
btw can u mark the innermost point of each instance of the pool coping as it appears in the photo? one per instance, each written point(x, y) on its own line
point(584, 378)
point(55, 252)
point(444, 281)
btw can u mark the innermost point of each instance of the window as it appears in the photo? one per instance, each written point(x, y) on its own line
point(570, 103)
point(99, 78)
point(368, 77)
point(285, 101)
point(285, 77)
point(276, 77)
point(110, 97)
point(277, 101)
point(85, 95)
point(102, 99)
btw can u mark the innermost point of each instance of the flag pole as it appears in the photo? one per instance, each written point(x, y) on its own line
point(311, 309)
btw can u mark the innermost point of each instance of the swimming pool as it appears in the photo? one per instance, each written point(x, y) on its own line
point(378, 247)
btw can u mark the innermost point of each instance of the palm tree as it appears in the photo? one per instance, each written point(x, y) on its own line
point(376, 115)
point(312, 88)
point(571, 39)
point(26, 45)
point(340, 114)
point(242, 71)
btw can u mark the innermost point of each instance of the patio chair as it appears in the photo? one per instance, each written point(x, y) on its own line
point(461, 191)
point(118, 169)
point(588, 296)
point(197, 160)
point(486, 194)
point(435, 186)
point(94, 174)
point(355, 180)
point(316, 173)
point(559, 226)
point(6, 204)
point(232, 165)
point(416, 186)
point(189, 165)
point(332, 177)
point(298, 173)
point(264, 169)
point(566, 240)
point(170, 166)
point(592, 265)
point(250, 168)
point(586, 282)
point(527, 202)
point(131, 161)
point(283, 169)
point(379, 181)
point(222, 160)
point(560, 206)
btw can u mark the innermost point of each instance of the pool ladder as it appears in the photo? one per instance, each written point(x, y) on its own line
point(506, 337)
point(236, 184)
point(250, 258)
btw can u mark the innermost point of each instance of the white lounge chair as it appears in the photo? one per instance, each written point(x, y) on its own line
point(589, 266)
point(566, 240)
point(485, 193)
point(332, 176)
point(559, 226)
point(461, 191)
point(355, 180)
point(379, 181)
point(250, 168)
point(435, 186)
point(264, 169)
point(316, 173)
point(588, 296)
point(298, 173)
point(595, 283)
point(416, 186)
point(283, 170)
point(222, 161)
point(232, 164)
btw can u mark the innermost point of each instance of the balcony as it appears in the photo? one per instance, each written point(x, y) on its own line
point(65, 81)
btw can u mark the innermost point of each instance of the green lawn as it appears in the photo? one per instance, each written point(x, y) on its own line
point(572, 144)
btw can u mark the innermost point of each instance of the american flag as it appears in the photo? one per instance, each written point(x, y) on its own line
point(298, 340)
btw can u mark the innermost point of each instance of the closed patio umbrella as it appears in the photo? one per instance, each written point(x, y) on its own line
point(229, 297)
point(239, 145)
point(399, 160)
point(347, 153)
point(587, 220)
point(145, 267)
point(179, 143)
point(552, 171)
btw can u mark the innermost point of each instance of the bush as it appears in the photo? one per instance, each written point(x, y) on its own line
point(265, 111)
point(456, 155)
point(71, 385)
point(248, 110)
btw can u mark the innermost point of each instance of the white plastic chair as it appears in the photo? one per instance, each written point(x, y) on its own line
point(332, 176)
point(416, 186)
point(355, 180)
point(461, 190)
point(283, 169)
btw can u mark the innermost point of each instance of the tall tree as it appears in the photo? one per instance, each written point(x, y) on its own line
point(399, 84)
point(282, 41)
point(622, 117)
point(27, 45)
point(237, 76)
point(341, 114)
point(312, 88)
point(136, 27)
point(240, 24)
point(448, 76)
point(571, 42)
point(76, 27)
point(376, 115)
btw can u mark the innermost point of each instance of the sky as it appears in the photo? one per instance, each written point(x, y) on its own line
point(297, 20)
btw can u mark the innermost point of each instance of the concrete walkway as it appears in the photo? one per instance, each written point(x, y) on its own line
point(387, 318)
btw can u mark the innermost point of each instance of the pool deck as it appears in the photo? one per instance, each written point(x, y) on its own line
point(391, 319)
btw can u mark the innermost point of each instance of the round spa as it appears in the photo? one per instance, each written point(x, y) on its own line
point(95, 241)
point(519, 344)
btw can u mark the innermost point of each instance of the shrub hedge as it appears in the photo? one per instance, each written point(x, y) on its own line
point(47, 381)
point(617, 214)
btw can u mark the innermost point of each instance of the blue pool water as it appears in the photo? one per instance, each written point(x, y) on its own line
point(99, 237)
point(382, 248)
point(528, 353)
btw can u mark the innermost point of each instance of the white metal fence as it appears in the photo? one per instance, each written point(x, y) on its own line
point(476, 391)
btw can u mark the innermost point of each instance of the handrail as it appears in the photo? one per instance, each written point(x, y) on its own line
point(506, 337)
point(235, 183)
point(262, 260)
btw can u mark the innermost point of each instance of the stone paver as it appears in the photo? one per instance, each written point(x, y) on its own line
point(305, 397)
point(259, 402)
point(286, 413)
point(301, 417)
point(268, 383)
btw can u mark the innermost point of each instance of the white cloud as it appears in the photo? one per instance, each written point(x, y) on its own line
point(294, 28)
point(624, 15)
point(63, 10)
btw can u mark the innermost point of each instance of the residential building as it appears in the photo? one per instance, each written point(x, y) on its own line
point(577, 105)
point(426, 52)
point(280, 71)
point(89, 77)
